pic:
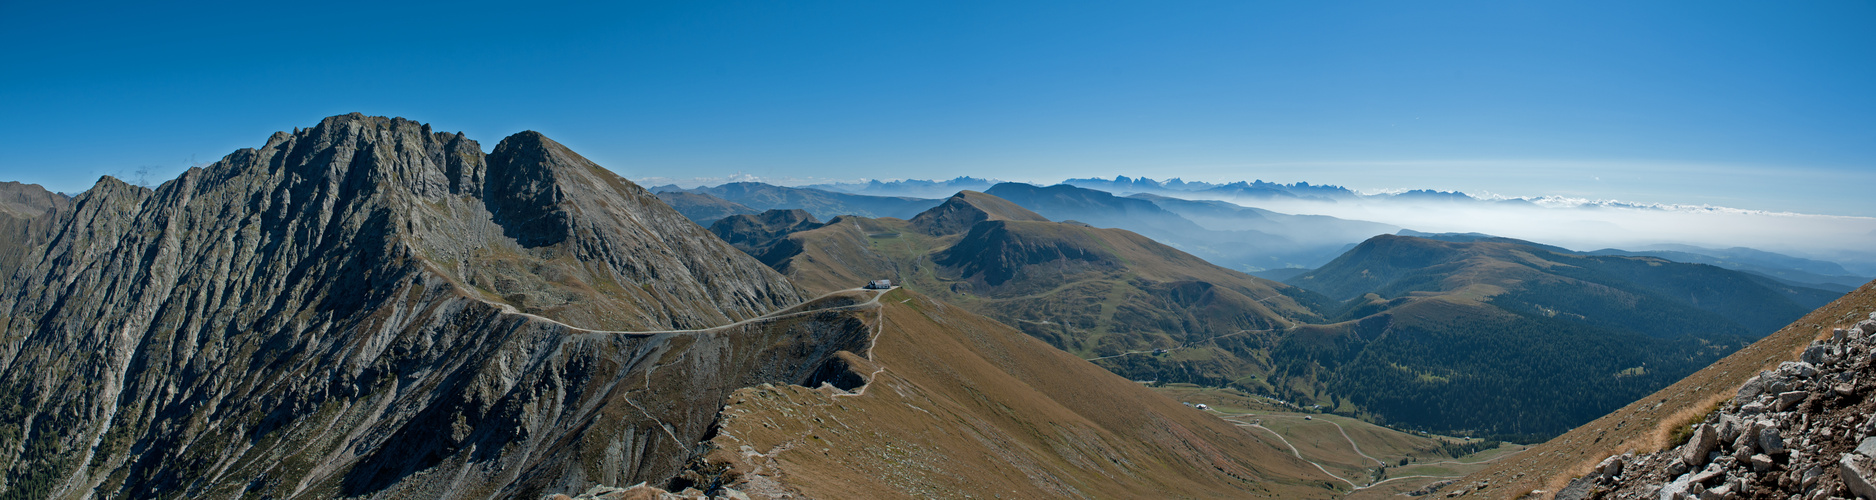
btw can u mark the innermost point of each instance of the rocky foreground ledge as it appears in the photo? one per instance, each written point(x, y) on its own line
point(1803, 432)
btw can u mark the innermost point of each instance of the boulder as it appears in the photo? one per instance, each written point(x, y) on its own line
point(1867, 447)
point(1730, 428)
point(1611, 466)
point(1676, 489)
point(1694, 453)
point(1788, 399)
point(1762, 463)
point(1857, 472)
point(1771, 442)
point(1818, 355)
point(1797, 369)
point(1745, 441)
point(1753, 387)
point(1722, 492)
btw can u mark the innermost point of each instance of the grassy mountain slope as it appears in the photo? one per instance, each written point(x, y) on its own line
point(967, 208)
point(1647, 423)
point(1791, 270)
point(959, 405)
point(1098, 293)
point(825, 205)
point(1498, 336)
point(701, 208)
point(1241, 248)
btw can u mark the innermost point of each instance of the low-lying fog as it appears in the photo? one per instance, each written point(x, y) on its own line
point(1849, 241)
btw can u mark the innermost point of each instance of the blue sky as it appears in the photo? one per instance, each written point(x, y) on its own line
point(1754, 105)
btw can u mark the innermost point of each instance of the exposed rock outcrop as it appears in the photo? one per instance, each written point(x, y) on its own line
point(340, 313)
point(1806, 430)
point(27, 215)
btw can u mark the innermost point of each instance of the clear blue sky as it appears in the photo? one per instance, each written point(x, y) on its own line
point(1761, 105)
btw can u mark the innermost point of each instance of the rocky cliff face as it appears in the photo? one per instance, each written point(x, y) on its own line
point(27, 214)
point(340, 312)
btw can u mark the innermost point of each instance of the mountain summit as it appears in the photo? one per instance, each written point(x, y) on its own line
point(367, 307)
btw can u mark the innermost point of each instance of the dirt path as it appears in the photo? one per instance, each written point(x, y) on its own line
point(1351, 442)
point(1378, 483)
point(878, 328)
point(1294, 451)
point(780, 313)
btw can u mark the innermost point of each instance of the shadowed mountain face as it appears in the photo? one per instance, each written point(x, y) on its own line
point(1097, 293)
point(1509, 337)
point(1790, 270)
point(762, 235)
point(27, 215)
point(1231, 236)
point(333, 314)
point(825, 205)
point(702, 208)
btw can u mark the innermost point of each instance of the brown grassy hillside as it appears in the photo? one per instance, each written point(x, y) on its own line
point(1644, 426)
point(962, 405)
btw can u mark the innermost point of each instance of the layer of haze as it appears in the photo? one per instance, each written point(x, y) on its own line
point(1850, 241)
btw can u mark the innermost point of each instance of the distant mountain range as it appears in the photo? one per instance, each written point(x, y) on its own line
point(736, 197)
point(909, 187)
point(1792, 270)
point(1269, 244)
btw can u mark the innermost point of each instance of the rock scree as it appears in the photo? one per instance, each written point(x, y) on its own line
point(1804, 431)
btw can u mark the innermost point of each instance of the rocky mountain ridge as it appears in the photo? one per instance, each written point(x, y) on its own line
point(27, 215)
point(369, 309)
point(334, 314)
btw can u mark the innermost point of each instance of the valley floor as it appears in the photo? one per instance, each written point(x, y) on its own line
point(1371, 461)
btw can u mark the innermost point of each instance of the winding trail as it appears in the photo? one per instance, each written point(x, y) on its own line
point(1234, 419)
point(878, 328)
point(1338, 428)
point(1294, 451)
point(1378, 483)
point(784, 312)
point(1351, 442)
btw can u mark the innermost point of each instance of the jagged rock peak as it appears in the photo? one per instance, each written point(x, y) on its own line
point(962, 210)
point(28, 199)
point(334, 311)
